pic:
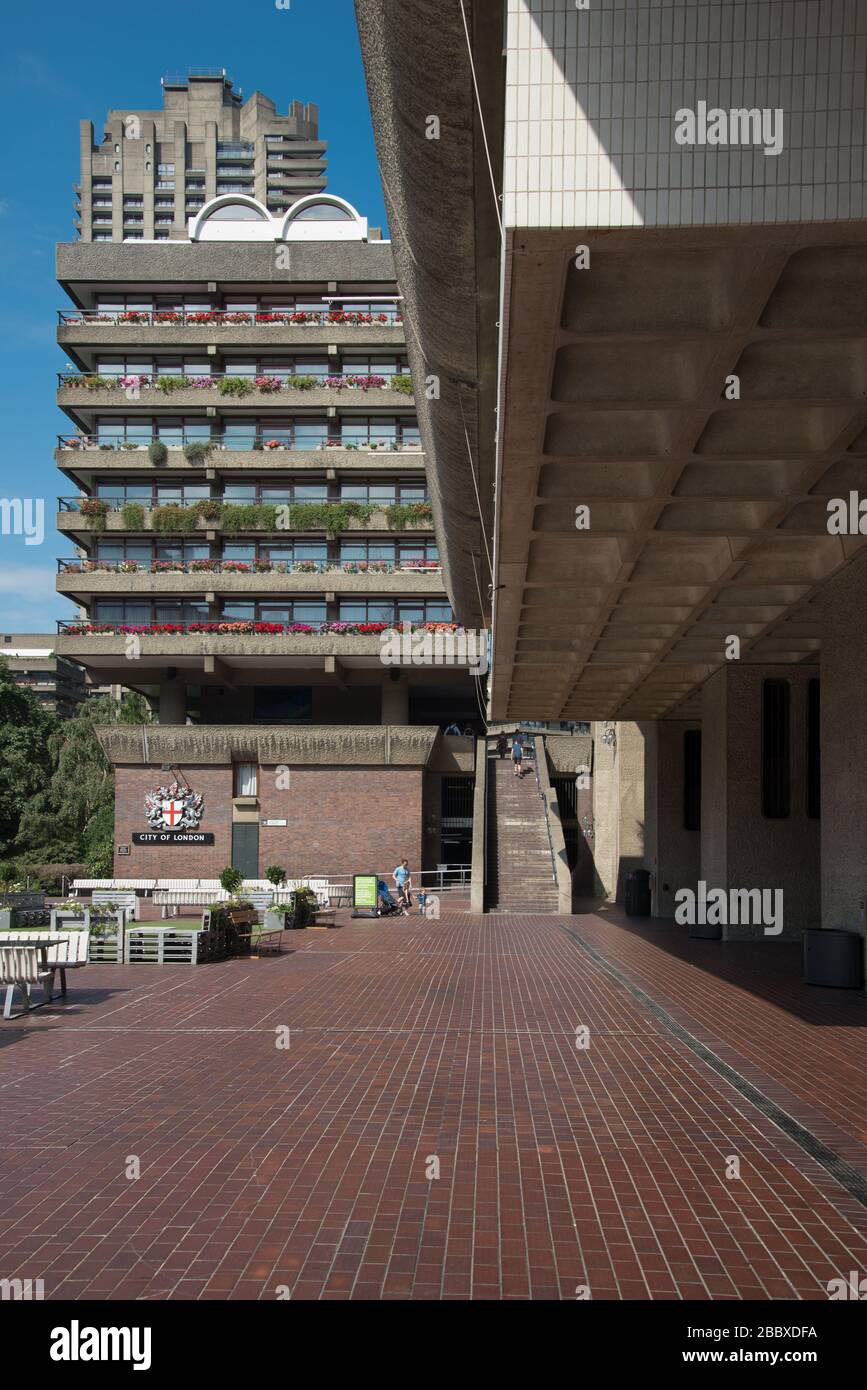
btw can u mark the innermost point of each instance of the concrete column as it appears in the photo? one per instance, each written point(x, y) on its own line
point(173, 702)
point(618, 806)
point(672, 853)
point(395, 701)
point(844, 746)
point(740, 847)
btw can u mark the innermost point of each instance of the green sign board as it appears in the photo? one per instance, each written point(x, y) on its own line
point(364, 890)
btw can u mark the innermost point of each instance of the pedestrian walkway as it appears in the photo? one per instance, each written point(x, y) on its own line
point(432, 1130)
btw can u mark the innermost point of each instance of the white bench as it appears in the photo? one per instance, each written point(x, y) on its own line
point(123, 898)
point(69, 953)
point(20, 968)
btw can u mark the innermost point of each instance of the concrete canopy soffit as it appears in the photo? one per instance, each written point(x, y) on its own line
point(706, 515)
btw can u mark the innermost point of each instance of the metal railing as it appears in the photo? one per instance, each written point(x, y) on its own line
point(76, 565)
point(281, 440)
point(544, 807)
point(263, 382)
point(204, 318)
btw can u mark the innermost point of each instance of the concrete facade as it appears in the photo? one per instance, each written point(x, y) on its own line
point(155, 169)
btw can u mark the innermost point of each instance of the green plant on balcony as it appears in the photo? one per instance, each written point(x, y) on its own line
point(168, 384)
point(248, 516)
point(402, 514)
point(402, 383)
point(302, 383)
point(172, 518)
point(133, 516)
point(90, 383)
point(328, 516)
point(96, 510)
point(208, 508)
point(157, 452)
point(197, 451)
point(235, 386)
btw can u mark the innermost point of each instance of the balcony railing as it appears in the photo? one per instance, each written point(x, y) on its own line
point(180, 515)
point(228, 318)
point(285, 441)
point(247, 627)
point(231, 384)
point(75, 565)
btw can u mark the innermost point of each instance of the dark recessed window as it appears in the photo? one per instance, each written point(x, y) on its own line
point(284, 704)
point(692, 779)
point(814, 752)
point(776, 741)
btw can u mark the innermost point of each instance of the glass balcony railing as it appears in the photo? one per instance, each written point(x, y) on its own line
point(295, 440)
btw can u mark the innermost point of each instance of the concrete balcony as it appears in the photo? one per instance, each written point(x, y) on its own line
point(81, 463)
point(72, 523)
point(376, 399)
point(143, 583)
point(199, 337)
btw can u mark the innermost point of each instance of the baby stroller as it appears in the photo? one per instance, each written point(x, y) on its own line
point(385, 903)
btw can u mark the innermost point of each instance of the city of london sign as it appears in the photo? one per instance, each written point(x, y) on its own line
point(173, 813)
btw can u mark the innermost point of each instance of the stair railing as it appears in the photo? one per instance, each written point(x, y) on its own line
point(544, 806)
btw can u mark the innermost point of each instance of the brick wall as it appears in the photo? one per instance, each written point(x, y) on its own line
point(340, 820)
point(172, 861)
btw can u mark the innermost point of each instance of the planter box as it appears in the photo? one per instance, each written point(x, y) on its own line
point(168, 946)
point(76, 920)
point(833, 957)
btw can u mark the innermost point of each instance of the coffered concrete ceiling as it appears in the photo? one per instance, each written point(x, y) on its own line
point(707, 515)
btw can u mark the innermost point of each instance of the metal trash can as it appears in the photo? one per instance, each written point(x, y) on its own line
point(638, 893)
point(833, 956)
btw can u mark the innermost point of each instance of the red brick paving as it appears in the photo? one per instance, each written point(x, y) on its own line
point(305, 1169)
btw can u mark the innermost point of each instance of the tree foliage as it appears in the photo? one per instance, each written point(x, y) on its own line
point(56, 784)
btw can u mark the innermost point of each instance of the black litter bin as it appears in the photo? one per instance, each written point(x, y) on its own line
point(833, 956)
point(638, 893)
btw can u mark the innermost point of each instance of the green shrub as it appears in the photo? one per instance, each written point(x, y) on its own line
point(235, 386)
point(168, 384)
point(275, 875)
point(208, 508)
point(133, 516)
point(328, 516)
point(402, 514)
point(231, 880)
point(197, 452)
point(402, 383)
point(303, 383)
point(249, 516)
point(172, 518)
point(157, 452)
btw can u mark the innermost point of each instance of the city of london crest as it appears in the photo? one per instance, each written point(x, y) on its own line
point(174, 808)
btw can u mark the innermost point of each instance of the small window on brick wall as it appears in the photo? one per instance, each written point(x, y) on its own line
point(776, 749)
point(246, 779)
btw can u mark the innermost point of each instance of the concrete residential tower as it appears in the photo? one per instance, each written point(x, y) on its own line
point(246, 513)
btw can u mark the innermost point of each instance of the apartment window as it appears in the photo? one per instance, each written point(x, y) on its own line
point(102, 236)
point(692, 779)
point(814, 752)
point(166, 185)
point(165, 168)
point(246, 777)
point(776, 739)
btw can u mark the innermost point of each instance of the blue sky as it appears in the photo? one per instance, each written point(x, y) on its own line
point(69, 63)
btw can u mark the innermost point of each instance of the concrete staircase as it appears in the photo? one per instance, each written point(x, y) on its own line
point(520, 866)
